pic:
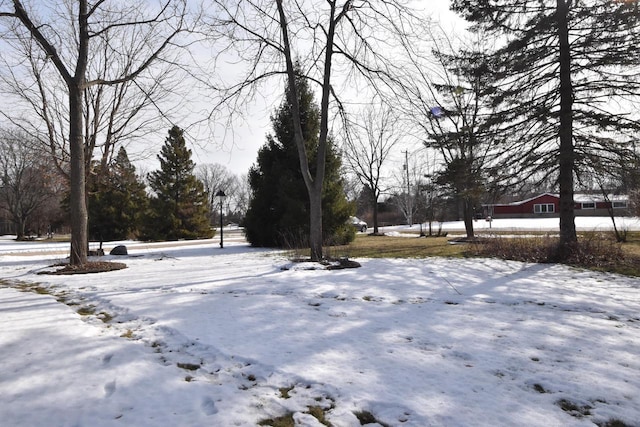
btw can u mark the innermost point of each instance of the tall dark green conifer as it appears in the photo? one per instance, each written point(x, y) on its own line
point(117, 200)
point(179, 208)
point(278, 213)
point(569, 80)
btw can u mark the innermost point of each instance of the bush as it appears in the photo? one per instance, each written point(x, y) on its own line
point(342, 235)
point(594, 250)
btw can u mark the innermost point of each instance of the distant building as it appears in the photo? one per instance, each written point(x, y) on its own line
point(547, 205)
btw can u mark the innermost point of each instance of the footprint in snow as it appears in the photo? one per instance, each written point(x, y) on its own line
point(109, 388)
point(208, 406)
point(106, 359)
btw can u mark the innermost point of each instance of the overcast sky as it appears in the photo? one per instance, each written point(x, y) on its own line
point(238, 151)
point(237, 148)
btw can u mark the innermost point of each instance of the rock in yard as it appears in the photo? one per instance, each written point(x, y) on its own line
point(119, 250)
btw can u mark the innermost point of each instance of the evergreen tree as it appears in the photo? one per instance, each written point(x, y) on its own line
point(278, 213)
point(568, 85)
point(179, 209)
point(117, 200)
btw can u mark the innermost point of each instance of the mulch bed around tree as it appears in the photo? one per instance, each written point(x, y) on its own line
point(89, 267)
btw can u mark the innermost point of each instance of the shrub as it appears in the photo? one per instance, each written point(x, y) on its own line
point(594, 250)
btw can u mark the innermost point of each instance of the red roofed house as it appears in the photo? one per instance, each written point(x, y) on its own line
point(546, 205)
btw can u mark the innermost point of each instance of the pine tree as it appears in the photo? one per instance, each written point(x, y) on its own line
point(117, 200)
point(179, 208)
point(278, 213)
point(569, 85)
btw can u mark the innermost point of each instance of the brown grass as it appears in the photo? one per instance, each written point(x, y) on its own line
point(596, 250)
point(370, 246)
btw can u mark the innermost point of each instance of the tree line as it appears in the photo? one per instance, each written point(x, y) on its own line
point(541, 92)
point(173, 202)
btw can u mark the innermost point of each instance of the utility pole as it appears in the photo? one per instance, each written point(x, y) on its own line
point(409, 207)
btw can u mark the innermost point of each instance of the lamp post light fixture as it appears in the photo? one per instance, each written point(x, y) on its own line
point(220, 194)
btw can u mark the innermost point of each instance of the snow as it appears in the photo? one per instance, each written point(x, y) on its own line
point(206, 336)
point(583, 223)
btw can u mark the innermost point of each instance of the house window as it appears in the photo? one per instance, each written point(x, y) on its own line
point(619, 205)
point(588, 205)
point(544, 208)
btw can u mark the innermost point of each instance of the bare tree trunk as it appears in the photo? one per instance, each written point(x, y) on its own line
point(467, 215)
point(568, 236)
point(315, 233)
point(77, 204)
point(20, 229)
point(374, 200)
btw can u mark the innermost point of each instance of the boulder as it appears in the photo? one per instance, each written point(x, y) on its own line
point(119, 250)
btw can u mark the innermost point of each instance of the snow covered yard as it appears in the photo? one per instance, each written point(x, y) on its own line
point(196, 335)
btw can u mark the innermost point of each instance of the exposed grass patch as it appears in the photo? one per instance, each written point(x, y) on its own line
point(87, 310)
point(36, 288)
point(574, 409)
point(319, 413)
point(539, 388)
point(370, 246)
point(105, 317)
point(284, 392)
point(188, 366)
point(366, 417)
point(128, 334)
point(632, 245)
point(614, 422)
point(283, 421)
point(40, 290)
point(61, 297)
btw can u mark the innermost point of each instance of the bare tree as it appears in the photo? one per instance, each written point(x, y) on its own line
point(75, 63)
point(367, 148)
point(113, 114)
point(321, 36)
point(216, 177)
point(451, 107)
point(407, 185)
point(241, 193)
point(26, 183)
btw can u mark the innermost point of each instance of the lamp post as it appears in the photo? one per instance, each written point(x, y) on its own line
point(220, 194)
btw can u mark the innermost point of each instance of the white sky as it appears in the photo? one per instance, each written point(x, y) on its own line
point(239, 153)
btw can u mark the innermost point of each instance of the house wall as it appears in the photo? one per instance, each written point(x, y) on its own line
point(526, 209)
